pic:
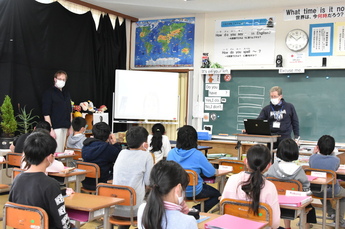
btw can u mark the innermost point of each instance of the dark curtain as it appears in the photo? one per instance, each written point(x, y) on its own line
point(38, 39)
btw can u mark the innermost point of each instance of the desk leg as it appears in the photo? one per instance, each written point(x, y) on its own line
point(106, 224)
point(221, 184)
point(271, 148)
point(303, 219)
point(77, 184)
point(324, 207)
point(206, 151)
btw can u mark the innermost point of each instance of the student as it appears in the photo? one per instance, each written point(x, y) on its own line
point(165, 207)
point(33, 187)
point(187, 155)
point(102, 150)
point(159, 142)
point(132, 168)
point(285, 168)
point(325, 159)
point(76, 140)
point(18, 143)
point(251, 184)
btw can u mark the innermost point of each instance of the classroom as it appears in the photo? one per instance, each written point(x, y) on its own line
point(219, 62)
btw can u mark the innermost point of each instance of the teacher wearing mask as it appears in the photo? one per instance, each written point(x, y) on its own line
point(57, 109)
point(281, 116)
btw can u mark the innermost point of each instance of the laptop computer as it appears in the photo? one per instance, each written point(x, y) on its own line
point(257, 126)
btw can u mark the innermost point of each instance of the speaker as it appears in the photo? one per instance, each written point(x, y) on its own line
point(279, 61)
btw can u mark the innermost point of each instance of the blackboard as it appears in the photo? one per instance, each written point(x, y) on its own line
point(318, 96)
point(146, 95)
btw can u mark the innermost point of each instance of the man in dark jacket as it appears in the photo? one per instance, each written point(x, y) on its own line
point(281, 115)
point(102, 150)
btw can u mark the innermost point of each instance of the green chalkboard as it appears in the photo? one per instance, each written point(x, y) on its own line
point(318, 96)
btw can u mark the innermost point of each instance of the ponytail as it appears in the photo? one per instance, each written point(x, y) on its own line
point(154, 207)
point(258, 157)
point(157, 135)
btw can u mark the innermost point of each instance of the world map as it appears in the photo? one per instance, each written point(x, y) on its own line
point(165, 43)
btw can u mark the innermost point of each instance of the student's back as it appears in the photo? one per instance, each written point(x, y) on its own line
point(76, 139)
point(159, 143)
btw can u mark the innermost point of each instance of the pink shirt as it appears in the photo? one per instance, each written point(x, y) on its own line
point(268, 194)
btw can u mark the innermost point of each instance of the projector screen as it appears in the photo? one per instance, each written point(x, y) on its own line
point(146, 95)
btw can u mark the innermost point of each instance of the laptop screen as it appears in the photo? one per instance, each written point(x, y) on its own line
point(257, 126)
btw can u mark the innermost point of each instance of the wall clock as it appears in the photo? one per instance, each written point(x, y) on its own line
point(296, 40)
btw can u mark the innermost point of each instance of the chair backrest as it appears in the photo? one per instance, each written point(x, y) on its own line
point(16, 172)
point(14, 159)
point(119, 191)
point(93, 168)
point(330, 175)
point(193, 180)
point(237, 165)
point(241, 208)
point(77, 153)
point(282, 185)
point(22, 216)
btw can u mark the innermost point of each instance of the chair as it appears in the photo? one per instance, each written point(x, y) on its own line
point(14, 160)
point(193, 181)
point(318, 188)
point(93, 172)
point(77, 154)
point(241, 208)
point(120, 191)
point(16, 172)
point(22, 216)
point(237, 165)
point(282, 185)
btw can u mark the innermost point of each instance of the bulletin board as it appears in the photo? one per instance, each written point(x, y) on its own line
point(318, 97)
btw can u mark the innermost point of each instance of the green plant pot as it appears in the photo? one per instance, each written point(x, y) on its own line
point(5, 142)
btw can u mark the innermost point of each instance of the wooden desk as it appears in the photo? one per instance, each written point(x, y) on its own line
point(66, 159)
point(205, 148)
point(225, 146)
point(302, 215)
point(77, 176)
point(257, 138)
point(96, 206)
point(234, 225)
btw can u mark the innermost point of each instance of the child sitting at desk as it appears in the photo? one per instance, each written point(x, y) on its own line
point(76, 139)
point(165, 207)
point(285, 168)
point(33, 187)
point(326, 160)
point(132, 168)
point(251, 184)
point(159, 142)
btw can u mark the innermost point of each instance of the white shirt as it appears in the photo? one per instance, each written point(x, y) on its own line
point(166, 147)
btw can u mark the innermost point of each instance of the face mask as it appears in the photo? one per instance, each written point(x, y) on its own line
point(180, 198)
point(275, 101)
point(60, 84)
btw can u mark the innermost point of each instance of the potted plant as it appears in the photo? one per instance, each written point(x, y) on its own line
point(8, 123)
point(26, 120)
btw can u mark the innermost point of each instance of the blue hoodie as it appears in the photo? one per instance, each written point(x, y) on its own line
point(195, 160)
point(104, 155)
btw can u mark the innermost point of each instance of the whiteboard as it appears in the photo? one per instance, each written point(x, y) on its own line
point(146, 95)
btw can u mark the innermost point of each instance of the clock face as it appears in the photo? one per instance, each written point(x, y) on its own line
point(296, 40)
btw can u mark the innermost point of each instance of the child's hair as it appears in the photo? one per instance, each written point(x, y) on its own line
point(101, 131)
point(326, 144)
point(157, 135)
point(78, 123)
point(187, 138)
point(43, 125)
point(37, 146)
point(258, 157)
point(288, 150)
point(136, 136)
point(164, 176)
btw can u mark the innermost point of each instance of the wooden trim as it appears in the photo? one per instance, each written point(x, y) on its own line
point(133, 19)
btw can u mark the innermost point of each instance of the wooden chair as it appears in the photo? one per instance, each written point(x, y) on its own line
point(22, 216)
point(318, 187)
point(77, 154)
point(241, 208)
point(282, 185)
point(193, 181)
point(13, 160)
point(120, 191)
point(16, 172)
point(94, 172)
point(237, 165)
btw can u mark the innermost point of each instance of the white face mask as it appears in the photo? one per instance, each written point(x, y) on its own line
point(180, 198)
point(60, 84)
point(275, 101)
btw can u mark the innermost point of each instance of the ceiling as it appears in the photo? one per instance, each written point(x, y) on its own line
point(142, 9)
